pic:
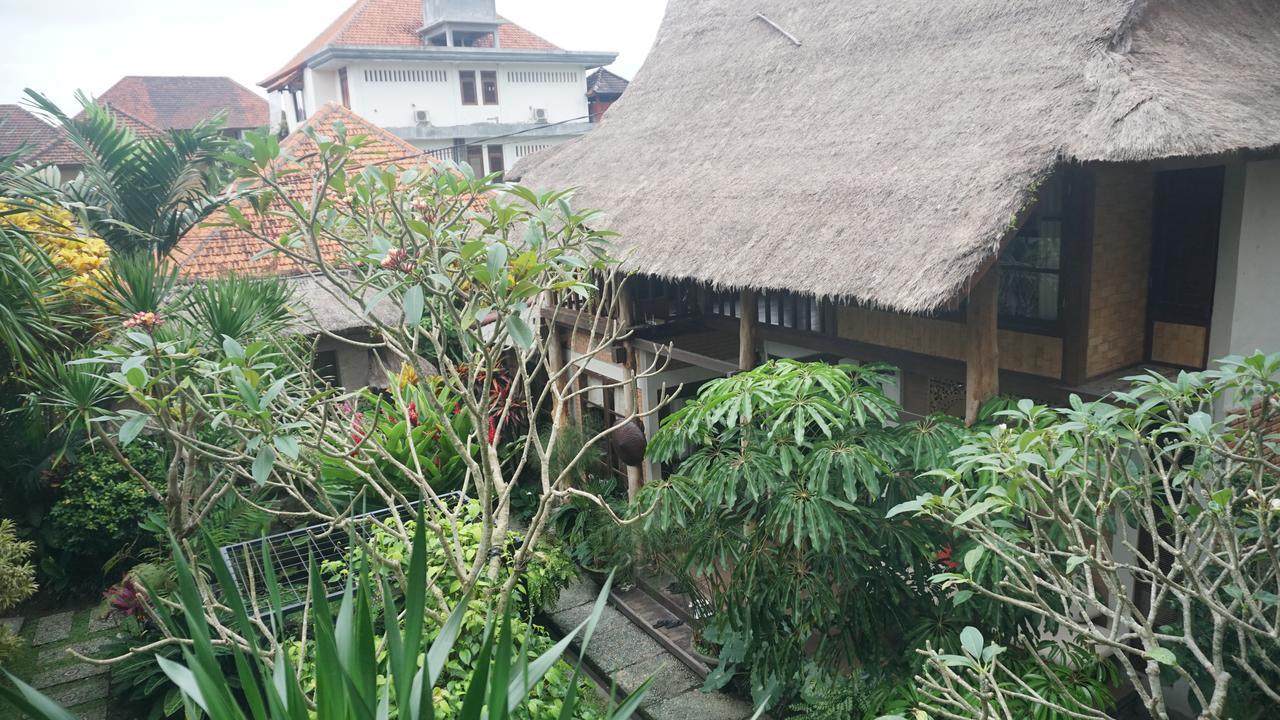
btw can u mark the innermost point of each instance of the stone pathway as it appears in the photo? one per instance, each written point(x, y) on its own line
point(625, 654)
point(78, 686)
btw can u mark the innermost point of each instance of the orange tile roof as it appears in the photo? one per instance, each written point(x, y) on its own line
point(183, 101)
point(390, 23)
point(217, 248)
point(22, 130)
point(47, 143)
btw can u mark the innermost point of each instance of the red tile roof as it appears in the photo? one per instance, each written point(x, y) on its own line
point(22, 130)
point(390, 23)
point(217, 248)
point(47, 143)
point(183, 101)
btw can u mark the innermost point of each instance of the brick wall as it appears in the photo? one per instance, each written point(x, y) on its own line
point(1123, 206)
point(1020, 352)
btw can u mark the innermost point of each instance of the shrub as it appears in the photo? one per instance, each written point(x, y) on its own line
point(98, 517)
point(17, 581)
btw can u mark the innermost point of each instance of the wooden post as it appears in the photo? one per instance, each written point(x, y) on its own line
point(555, 363)
point(626, 315)
point(747, 331)
point(982, 362)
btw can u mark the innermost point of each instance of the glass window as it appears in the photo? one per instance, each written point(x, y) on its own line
point(475, 158)
point(489, 84)
point(1031, 267)
point(497, 163)
point(468, 78)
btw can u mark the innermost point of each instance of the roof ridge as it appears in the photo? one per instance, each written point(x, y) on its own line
point(332, 108)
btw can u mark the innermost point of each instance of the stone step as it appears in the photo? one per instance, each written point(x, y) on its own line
point(628, 655)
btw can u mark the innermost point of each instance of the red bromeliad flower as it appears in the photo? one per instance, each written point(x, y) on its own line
point(125, 600)
point(357, 428)
point(944, 557)
point(413, 414)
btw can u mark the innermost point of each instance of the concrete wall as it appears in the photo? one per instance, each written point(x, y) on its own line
point(1247, 294)
point(1123, 207)
point(358, 367)
point(388, 93)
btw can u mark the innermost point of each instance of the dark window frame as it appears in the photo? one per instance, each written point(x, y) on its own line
point(489, 87)
point(1008, 267)
point(497, 159)
point(469, 87)
point(475, 158)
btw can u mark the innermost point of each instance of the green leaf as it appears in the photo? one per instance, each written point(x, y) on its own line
point(971, 641)
point(1074, 562)
point(1164, 656)
point(1201, 423)
point(910, 506)
point(496, 260)
point(520, 331)
point(263, 463)
point(231, 348)
point(972, 557)
point(287, 445)
point(131, 428)
point(413, 306)
point(973, 511)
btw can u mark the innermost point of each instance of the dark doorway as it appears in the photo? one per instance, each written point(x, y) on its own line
point(1184, 263)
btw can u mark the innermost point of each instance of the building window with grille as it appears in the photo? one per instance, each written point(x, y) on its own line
point(489, 87)
point(1031, 268)
point(468, 79)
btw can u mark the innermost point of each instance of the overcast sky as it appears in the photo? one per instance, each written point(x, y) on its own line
point(59, 46)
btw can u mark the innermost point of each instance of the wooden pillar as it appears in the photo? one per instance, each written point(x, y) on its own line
point(626, 316)
point(747, 331)
point(555, 363)
point(1077, 272)
point(982, 360)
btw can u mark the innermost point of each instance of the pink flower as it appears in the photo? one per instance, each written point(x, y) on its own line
point(398, 259)
point(145, 320)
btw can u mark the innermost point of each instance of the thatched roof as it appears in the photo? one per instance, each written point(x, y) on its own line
point(320, 305)
point(884, 159)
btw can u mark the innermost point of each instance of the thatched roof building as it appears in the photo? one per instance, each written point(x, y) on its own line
point(880, 152)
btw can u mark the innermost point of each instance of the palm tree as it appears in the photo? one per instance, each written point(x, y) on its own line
point(143, 193)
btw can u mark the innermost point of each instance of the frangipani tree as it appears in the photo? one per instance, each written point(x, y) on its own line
point(451, 273)
point(1145, 526)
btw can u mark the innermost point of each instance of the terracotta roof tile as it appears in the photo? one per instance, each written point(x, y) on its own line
point(391, 23)
point(22, 130)
point(183, 101)
point(216, 248)
point(47, 143)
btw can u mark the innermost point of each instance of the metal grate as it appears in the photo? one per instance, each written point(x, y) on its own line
point(291, 554)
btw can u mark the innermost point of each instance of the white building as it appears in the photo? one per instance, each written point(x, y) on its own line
point(442, 74)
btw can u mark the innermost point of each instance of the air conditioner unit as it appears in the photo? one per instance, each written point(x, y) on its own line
point(422, 117)
point(540, 116)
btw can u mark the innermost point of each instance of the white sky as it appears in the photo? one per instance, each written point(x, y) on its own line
point(59, 46)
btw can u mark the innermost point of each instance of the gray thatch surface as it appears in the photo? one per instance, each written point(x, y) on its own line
point(318, 308)
point(885, 158)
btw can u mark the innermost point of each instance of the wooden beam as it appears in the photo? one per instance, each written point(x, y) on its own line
point(982, 359)
point(747, 334)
